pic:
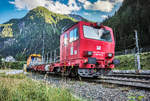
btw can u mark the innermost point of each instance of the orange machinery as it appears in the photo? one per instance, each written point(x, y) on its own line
point(33, 58)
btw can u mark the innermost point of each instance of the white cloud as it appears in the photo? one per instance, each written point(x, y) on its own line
point(56, 7)
point(82, 1)
point(119, 0)
point(85, 13)
point(105, 6)
point(27, 4)
point(104, 16)
point(73, 5)
point(87, 4)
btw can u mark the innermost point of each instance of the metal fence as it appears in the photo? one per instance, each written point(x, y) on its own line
point(52, 56)
point(132, 51)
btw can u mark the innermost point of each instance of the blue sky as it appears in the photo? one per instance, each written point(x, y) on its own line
point(94, 10)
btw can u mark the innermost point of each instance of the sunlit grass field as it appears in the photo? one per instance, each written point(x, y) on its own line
point(20, 88)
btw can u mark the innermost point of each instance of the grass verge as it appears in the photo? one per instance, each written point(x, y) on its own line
point(19, 88)
point(127, 62)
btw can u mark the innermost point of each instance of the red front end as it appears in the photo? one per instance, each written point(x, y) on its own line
point(88, 47)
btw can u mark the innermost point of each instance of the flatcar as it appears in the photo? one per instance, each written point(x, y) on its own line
point(86, 49)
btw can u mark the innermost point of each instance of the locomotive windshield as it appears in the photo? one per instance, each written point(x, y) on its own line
point(98, 34)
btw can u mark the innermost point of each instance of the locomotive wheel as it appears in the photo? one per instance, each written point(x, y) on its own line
point(95, 77)
point(106, 71)
point(73, 72)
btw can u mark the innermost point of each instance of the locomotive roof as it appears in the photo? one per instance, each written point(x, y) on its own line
point(65, 28)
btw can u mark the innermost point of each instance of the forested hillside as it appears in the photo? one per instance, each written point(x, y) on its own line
point(133, 15)
point(21, 37)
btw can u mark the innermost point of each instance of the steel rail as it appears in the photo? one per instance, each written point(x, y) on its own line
point(113, 79)
point(139, 81)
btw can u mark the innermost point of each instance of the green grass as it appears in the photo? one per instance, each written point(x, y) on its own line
point(16, 76)
point(127, 62)
point(20, 88)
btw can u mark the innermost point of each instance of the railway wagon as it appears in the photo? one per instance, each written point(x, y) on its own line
point(86, 49)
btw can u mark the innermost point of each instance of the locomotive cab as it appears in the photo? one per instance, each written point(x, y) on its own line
point(89, 47)
point(32, 60)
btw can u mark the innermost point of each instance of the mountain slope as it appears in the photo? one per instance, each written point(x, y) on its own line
point(133, 15)
point(77, 17)
point(25, 36)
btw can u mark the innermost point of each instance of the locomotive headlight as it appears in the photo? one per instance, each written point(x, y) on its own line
point(85, 61)
point(90, 53)
point(109, 55)
point(87, 53)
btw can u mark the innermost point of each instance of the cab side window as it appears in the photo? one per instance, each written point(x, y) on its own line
point(71, 36)
point(65, 40)
point(74, 35)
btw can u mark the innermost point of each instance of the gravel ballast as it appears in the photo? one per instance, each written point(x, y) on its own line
point(94, 91)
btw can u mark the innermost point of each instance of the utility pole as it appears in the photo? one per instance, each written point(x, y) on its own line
point(51, 57)
point(47, 58)
point(43, 48)
point(55, 55)
point(138, 51)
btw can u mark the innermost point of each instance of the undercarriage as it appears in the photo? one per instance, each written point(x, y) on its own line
point(92, 72)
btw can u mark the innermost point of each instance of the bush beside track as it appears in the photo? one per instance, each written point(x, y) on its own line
point(127, 62)
point(19, 88)
point(12, 65)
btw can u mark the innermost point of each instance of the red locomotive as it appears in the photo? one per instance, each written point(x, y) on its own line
point(86, 49)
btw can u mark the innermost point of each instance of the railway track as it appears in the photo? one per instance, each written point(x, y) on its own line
point(133, 80)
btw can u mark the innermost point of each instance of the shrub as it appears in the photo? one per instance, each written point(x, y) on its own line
point(12, 65)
